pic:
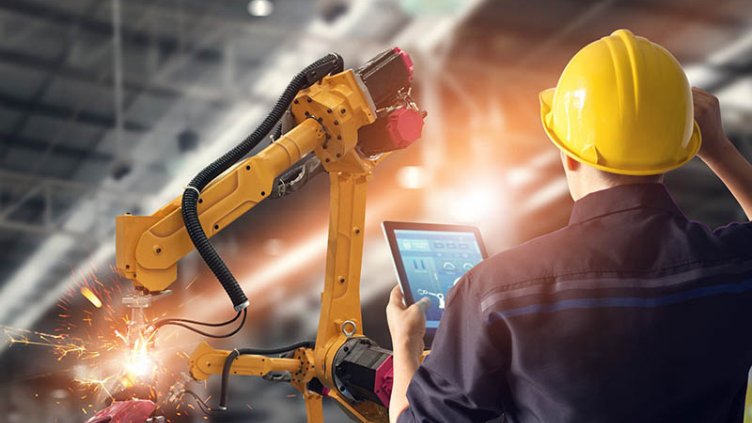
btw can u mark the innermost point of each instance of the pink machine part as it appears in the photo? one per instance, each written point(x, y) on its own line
point(131, 411)
point(405, 58)
point(405, 127)
point(384, 381)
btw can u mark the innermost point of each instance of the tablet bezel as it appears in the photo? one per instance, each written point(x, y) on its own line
point(390, 226)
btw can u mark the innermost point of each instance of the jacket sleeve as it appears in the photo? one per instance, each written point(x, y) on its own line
point(463, 379)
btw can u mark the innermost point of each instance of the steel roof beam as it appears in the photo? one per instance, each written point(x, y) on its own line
point(131, 35)
point(62, 149)
point(30, 61)
point(62, 112)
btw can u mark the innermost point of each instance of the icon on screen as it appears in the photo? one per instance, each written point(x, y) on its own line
point(419, 265)
point(438, 295)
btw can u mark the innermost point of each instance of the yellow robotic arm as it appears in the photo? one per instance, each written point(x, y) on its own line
point(350, 120)
point(149, 247)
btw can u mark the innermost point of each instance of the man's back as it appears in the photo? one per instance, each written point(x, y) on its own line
point(630, 313)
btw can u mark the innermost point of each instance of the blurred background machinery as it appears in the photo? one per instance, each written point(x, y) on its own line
point(111, 106)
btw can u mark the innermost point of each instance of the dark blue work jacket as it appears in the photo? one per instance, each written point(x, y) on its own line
point(631, 313)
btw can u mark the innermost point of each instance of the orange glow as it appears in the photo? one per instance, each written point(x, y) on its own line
point(412, 177)
point(91, 296)
point(473, 204)
point(139, 364)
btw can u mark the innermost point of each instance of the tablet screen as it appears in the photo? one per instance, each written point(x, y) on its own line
point(433, 262)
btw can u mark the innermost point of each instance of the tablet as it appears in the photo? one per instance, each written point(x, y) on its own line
point(430, 259)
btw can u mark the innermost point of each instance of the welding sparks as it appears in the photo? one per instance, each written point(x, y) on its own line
point(97, 384)
point(139, 363)
point(61, 344)
point(104, 362)
point(91, 296)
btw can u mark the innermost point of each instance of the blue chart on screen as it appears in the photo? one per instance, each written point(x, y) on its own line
point(434, 261)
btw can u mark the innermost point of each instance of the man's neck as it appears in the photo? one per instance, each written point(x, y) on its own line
point(599, 184)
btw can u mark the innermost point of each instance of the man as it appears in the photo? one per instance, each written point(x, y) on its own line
point(631, 313)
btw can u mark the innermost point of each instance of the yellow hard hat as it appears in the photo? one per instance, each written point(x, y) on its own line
point(623, 105)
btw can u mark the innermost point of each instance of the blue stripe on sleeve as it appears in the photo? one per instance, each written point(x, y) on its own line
point(630, 302)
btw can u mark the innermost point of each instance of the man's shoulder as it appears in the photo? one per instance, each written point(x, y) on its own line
point(591, 248)
point(735, 233)
point(542, 257)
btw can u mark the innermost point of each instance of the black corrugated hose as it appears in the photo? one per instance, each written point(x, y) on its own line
point(329, 64)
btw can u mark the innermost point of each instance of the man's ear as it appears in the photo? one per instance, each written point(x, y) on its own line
point(571, 164)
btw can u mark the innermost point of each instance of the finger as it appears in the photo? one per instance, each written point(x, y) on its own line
point(423, 304)
point(396, 299)
point(699, 94)
point(703, 97)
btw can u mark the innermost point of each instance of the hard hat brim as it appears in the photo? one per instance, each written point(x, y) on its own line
point(693, 146)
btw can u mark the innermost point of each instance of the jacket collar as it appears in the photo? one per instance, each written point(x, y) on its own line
point(624, 197)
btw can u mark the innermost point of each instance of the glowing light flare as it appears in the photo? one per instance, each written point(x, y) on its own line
point(91, 296)
point(139, 362)
point(260, 8)
point(274, 247)
point(412, 177)
point(474, 204)
point(140, 365)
